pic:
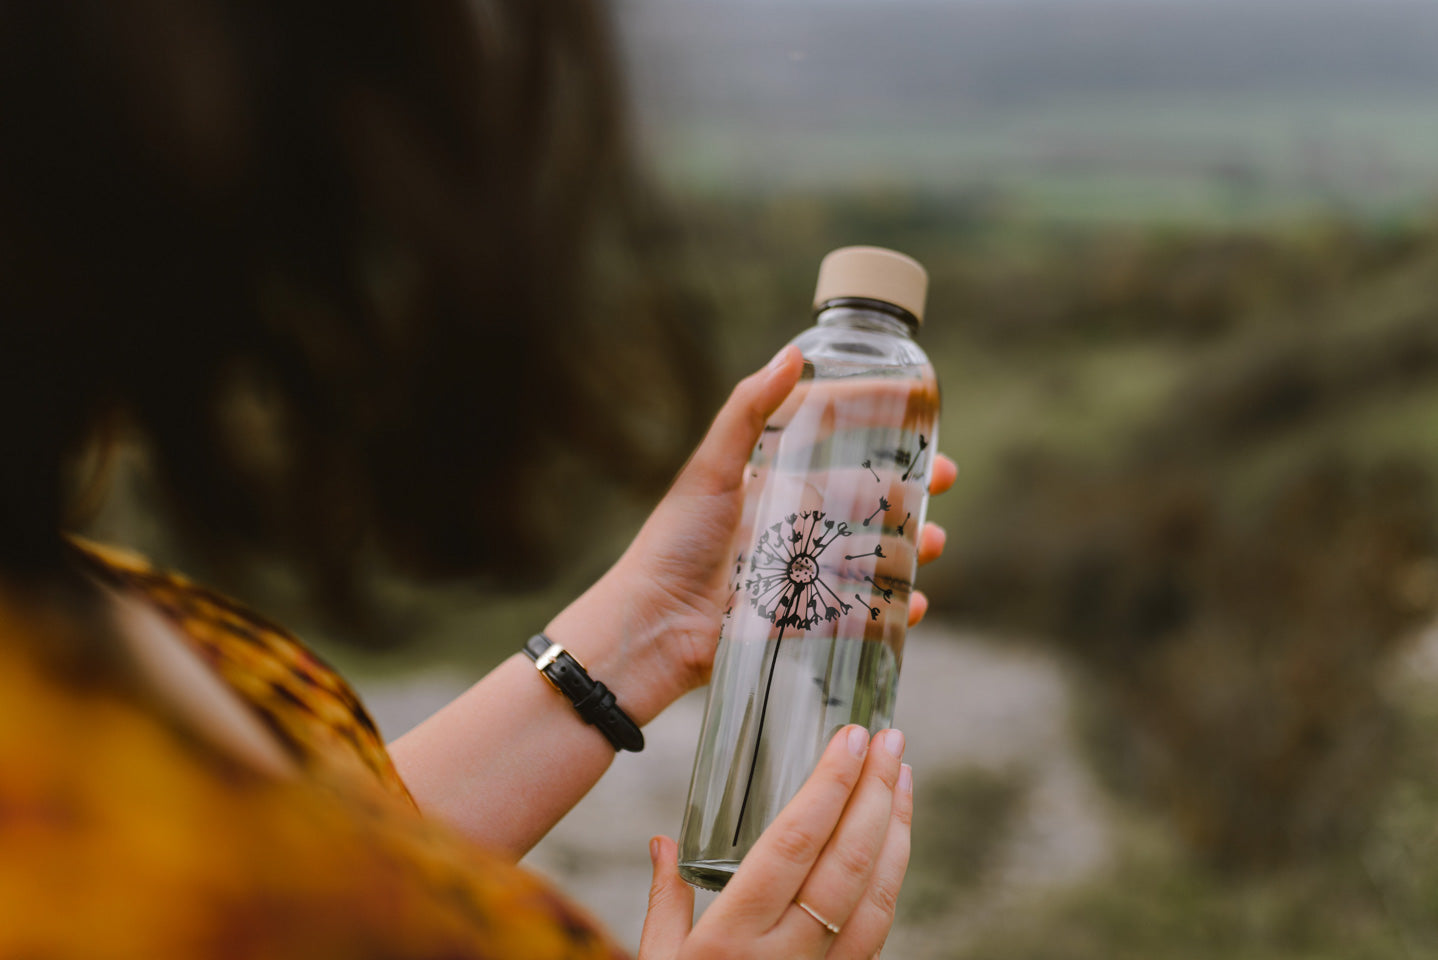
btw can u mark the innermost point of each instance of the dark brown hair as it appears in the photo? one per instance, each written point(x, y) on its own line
point(332, 261)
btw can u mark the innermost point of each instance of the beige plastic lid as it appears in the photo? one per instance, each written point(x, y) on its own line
point(873, 273)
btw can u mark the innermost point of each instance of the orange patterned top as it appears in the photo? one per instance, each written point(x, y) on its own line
point(121, 836)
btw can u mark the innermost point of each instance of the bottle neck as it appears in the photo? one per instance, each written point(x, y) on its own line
point(856, 313)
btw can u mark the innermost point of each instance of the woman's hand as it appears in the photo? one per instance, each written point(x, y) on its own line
point(649, 627)
point(841, 847)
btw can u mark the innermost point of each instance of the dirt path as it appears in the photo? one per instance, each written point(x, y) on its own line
point(964, 703)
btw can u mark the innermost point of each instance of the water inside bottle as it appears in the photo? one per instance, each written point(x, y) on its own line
point(814, 634)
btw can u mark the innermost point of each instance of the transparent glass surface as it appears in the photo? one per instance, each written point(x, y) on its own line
point(814, 635)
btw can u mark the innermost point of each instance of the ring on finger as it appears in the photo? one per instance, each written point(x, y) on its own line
point(827, 925)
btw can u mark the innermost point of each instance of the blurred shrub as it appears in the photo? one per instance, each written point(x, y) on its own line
point(1194, 287)
point(1235, 612)
point(1370, 903)
point(1238, 649)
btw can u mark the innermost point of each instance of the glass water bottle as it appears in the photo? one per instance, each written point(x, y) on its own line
point(837, 492)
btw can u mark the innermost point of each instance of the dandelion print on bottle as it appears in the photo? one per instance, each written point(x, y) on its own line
point(814, 631)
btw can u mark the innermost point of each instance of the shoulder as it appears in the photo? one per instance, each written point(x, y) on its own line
point(300, 696)
point(124, 837)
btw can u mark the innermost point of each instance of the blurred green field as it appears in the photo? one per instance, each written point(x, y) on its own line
point(1130, 159)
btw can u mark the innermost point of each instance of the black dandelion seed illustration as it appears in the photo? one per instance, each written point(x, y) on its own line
point(876, 552)
point(873, 611)
point(907, 516)
point(916, 460)
point(883, 506)
point(869, 466)
point(888, 592)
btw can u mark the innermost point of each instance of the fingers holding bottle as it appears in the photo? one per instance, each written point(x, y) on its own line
point(773, 871)
point(918, 606)
point(831, 858)
point(868, 926)
point(933, 536)
point(942, 477)
point(931, 543)
point(836, 886)
point(671, 905)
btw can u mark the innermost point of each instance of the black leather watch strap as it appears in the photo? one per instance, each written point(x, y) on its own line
point(594, 701)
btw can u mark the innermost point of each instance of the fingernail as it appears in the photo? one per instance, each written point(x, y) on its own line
point(906, 778)
point(654, 850)
point(858, 741)
point(778, 360)
point(894, 742)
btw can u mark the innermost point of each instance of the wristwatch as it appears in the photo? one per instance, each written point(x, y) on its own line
point(594, 701)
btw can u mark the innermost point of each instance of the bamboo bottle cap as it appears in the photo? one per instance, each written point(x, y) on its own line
point(873, 273)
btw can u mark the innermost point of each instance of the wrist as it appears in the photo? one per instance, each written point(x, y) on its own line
point(635, 646)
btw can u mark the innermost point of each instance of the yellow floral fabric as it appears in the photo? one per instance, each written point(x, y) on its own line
point(121, 836)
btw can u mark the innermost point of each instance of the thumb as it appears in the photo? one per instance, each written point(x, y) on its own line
point(718, 465)
point(671, 905)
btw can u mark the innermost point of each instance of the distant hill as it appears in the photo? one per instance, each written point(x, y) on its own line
point(1330, 101)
